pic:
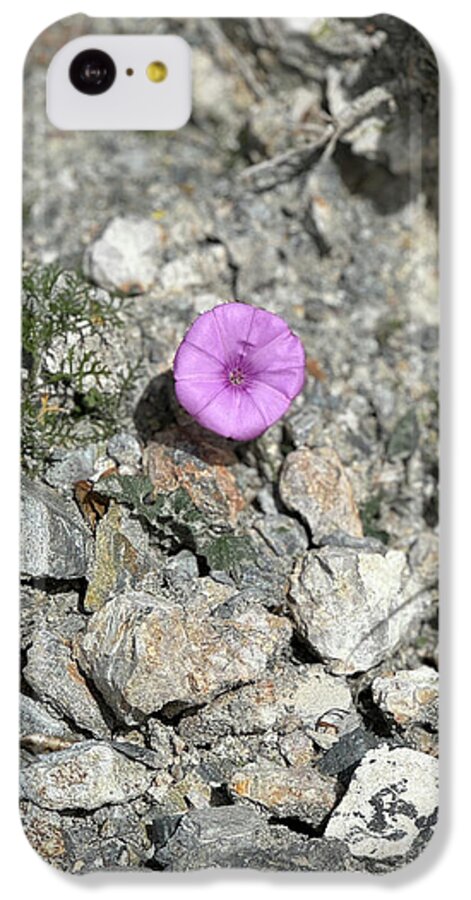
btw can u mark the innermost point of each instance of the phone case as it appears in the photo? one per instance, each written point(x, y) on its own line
point(229, 459)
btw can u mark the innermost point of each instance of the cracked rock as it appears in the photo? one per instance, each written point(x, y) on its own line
point(125, 257)
point(54, 676)
point(54, 541)
point(304, 697)
point(334, 586)
point(285, 791)
point(235, 836)
point(37, 722)
point(201, 468)
point(85, 776)
point(390, 806)
point(118, 560)
point(313, 483)
point(147, 652)
point(409, 698)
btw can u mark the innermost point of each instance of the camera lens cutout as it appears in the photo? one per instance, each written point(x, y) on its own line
point(92, 72)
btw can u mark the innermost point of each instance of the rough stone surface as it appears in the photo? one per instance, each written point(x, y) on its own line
point(35, 719)
point(53, 673)
point(289, 698)
point(125, 449)
point(71, 466)
point(335, 586)
point(118, 560)
point(54, 541)
point(409, 696)
point(348, 751)
point(390, 806)
point(125, 257)
point(238, 837)
point(300, 792)
point(201, 468)
point(144, 652)
point(409, 699)
point(314, 484)
point(85, 776)
point(57, 612)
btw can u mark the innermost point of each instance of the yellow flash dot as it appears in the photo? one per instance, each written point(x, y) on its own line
point(156, 71)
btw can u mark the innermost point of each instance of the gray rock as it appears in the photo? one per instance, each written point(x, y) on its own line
point(125, 449)
point(233, 836)
point(85, 776)
point(112, 837)
point(347, 752)
point(289, 697)
point(54, 676)
point(298, 791)
point(35, 719)
point(145, 652)
point(286, 537)
point(183, 565)
point(121, 557)
point(125, 257)
point(44, 830)
point(56, 612)
point(409, 696)
point(390, 805)
point(54, 541)
point(314, 484)
point(333, 587)
point(71, 466)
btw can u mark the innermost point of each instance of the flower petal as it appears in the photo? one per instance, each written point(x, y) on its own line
point(234, 415)
point(284, 351)
point(287, 382)
point(272, 402)
point(191, 359)
point(194, 396)
point(233, 322)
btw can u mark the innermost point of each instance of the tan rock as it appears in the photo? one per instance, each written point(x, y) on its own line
point(201, 468)
point(144, 652)
point(314, 484)
point(86, 776)
point(298, 791)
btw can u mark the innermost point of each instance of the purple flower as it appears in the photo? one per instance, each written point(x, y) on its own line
point(237, 370)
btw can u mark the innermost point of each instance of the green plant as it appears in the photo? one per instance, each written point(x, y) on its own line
point(68, 320)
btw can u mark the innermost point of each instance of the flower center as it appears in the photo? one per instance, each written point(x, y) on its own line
point(236, 376)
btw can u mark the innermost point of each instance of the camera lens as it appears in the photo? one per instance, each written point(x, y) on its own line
point(92, 72)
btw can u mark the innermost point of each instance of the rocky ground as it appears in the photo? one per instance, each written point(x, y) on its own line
point(229, 651)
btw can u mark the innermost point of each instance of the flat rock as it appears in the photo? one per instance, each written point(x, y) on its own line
point(302, 697)
point(125, 256)
point(54, 541)
point(199, 467)
point(54, 676)
point(236, 836)
point(390, 806)
point(85, 776)
point(145, 652)
point(285, 791)
point(347, 752)
point(314, 484)
point(353, 607)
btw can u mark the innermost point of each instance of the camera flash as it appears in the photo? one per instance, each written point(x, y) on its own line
point(156, 71)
